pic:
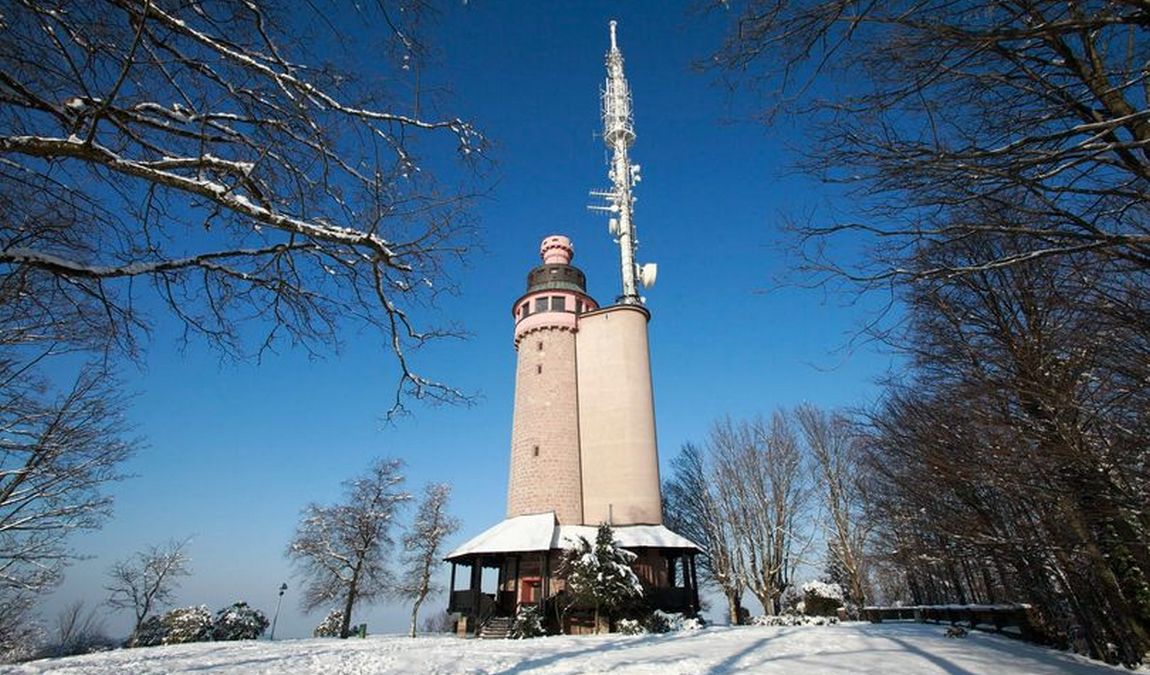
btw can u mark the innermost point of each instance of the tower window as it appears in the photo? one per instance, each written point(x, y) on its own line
point(535, 451)
point(524, 309)
point(578, 306)
point(539, 345)
point(539, 370)
point(540, 304)
point(558, 304)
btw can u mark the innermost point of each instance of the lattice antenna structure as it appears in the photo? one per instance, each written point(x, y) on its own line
point(619, 202)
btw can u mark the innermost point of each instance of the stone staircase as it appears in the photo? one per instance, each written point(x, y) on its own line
point(496, 628)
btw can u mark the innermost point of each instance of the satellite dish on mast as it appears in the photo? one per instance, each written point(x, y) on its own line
point(647, 274)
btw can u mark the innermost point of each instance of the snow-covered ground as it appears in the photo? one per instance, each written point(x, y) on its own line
point(848, 648)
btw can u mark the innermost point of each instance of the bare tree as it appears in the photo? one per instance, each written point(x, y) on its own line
point(777, 535)
point(210, 157)
point(693, 507)
point(204, 153)
point(79, 630)
point(1037, 106)
point(746, 496)
point(832, 443)
point(341, 549)
point(57, 454)
point(76, 622)
point(148, 580)
point(423, 548)
point(1010, 463)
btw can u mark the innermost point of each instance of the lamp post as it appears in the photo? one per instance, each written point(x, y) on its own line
point(283, 587)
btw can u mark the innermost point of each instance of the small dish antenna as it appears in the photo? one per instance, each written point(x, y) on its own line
point(647, 274)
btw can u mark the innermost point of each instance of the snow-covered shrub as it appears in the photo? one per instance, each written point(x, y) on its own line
point(150, 634)
point(331, 624)
point(239, 622)
point(794, 620)
point(188, 624)
point(19, 639)
point(823, 589)
point(821, 598)
point(631, 627)
point(792, 601)
point(773, 620)
point(658, 622)
point(664, 622)
point(693, 623)
point(528, 623)
point(440, 622)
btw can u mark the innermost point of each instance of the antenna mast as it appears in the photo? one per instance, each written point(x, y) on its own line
point(618, 135)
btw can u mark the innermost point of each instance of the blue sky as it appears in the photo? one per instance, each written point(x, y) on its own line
point(234, 451)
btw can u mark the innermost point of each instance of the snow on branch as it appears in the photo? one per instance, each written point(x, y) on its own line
point(206, 148)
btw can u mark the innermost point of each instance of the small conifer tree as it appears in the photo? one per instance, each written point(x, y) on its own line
point(188, 624)
point(330, 626)
point(599, 575)
point(239, 622)
point(151, 633)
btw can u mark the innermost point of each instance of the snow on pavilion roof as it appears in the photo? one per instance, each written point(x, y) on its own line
point(522, 533)
point(628, 536)
point(541, 532)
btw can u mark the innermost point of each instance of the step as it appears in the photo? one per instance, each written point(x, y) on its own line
point(496, 628)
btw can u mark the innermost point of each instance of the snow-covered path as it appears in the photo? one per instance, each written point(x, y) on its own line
point(849, 648)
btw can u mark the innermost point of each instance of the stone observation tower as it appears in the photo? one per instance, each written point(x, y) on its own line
point(583, 434)
point(583, 448)
point(545, 459)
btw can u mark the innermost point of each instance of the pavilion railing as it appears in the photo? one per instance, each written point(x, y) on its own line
point(1016, 620)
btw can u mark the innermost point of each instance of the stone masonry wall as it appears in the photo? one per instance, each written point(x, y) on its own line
point(545, 465)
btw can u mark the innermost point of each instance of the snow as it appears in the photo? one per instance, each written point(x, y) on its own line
point(823, 590)
point(628, 536)
point(854, 648)
point(539, 532)
point(522, 533)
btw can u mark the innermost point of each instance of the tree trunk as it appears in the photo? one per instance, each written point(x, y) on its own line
point(345, 625)
point(734, 608)
point(415, 613)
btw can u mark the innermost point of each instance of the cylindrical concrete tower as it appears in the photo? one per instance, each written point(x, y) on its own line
point(545, 462)
point(619, 455)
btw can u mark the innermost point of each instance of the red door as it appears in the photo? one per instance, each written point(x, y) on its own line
point(530, 590)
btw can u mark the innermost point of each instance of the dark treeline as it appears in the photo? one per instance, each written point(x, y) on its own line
point(1010, 463)
point(1006, 463)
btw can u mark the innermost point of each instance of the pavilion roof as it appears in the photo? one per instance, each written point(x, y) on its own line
point(542, 532)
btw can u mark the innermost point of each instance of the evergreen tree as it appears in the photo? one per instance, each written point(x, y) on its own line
point(330, 626)
point(151, 633)
point(599, 575)
point(239, 622)
point(188, 624)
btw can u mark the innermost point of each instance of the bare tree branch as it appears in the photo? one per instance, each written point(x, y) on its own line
point(195, 146)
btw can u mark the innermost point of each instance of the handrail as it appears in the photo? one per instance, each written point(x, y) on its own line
point(995, 618)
